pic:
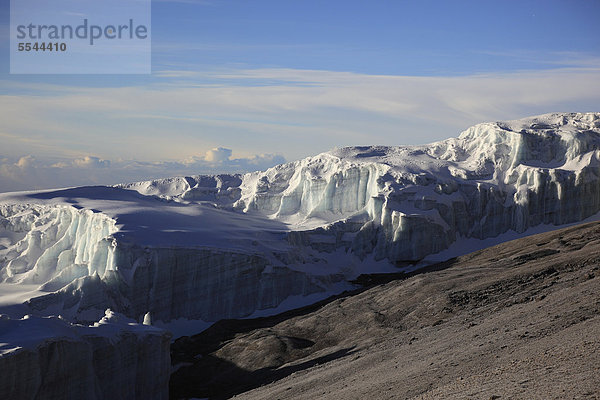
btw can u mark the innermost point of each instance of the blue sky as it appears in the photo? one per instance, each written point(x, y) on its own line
point(241, 85)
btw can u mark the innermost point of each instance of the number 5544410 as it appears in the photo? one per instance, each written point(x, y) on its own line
point(49, 46)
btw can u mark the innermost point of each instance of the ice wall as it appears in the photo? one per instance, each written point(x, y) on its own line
point(173, 283)
point(213, 284)
point(415, 201)
point(373, 203)
point(49, 358)
point(53, 245)
point(83, 268)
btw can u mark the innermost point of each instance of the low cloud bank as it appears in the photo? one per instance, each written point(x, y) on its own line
point(28, 172)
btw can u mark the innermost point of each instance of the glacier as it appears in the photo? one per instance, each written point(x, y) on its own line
point(204, 248)
point(50, 358)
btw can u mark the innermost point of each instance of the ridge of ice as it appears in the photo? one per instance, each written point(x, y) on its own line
point(230, 246)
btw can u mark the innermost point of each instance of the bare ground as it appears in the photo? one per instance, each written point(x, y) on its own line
point(520, 320)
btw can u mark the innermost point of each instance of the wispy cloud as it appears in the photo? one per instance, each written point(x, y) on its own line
point(573, 59)
point(292, 112)
point(176, 74)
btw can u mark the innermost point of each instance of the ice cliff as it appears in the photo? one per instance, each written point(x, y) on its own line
point(50, 358)
point(228, 246)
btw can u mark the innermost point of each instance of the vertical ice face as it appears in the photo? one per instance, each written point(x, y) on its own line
point(319, 187)
point(50, 358)
point(415, 201)
point(54, 245)
point(209, 284)
point(299, 228)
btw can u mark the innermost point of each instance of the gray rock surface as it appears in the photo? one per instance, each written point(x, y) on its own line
point(520, 320)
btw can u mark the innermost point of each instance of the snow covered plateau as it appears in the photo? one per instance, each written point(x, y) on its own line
point(188, 251)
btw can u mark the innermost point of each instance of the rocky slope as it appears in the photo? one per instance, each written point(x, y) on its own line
point(518, 320)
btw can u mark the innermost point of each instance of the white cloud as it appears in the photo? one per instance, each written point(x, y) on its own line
point(91, 162)
point(219, 159)
point(218, 155)
point(25, 162)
